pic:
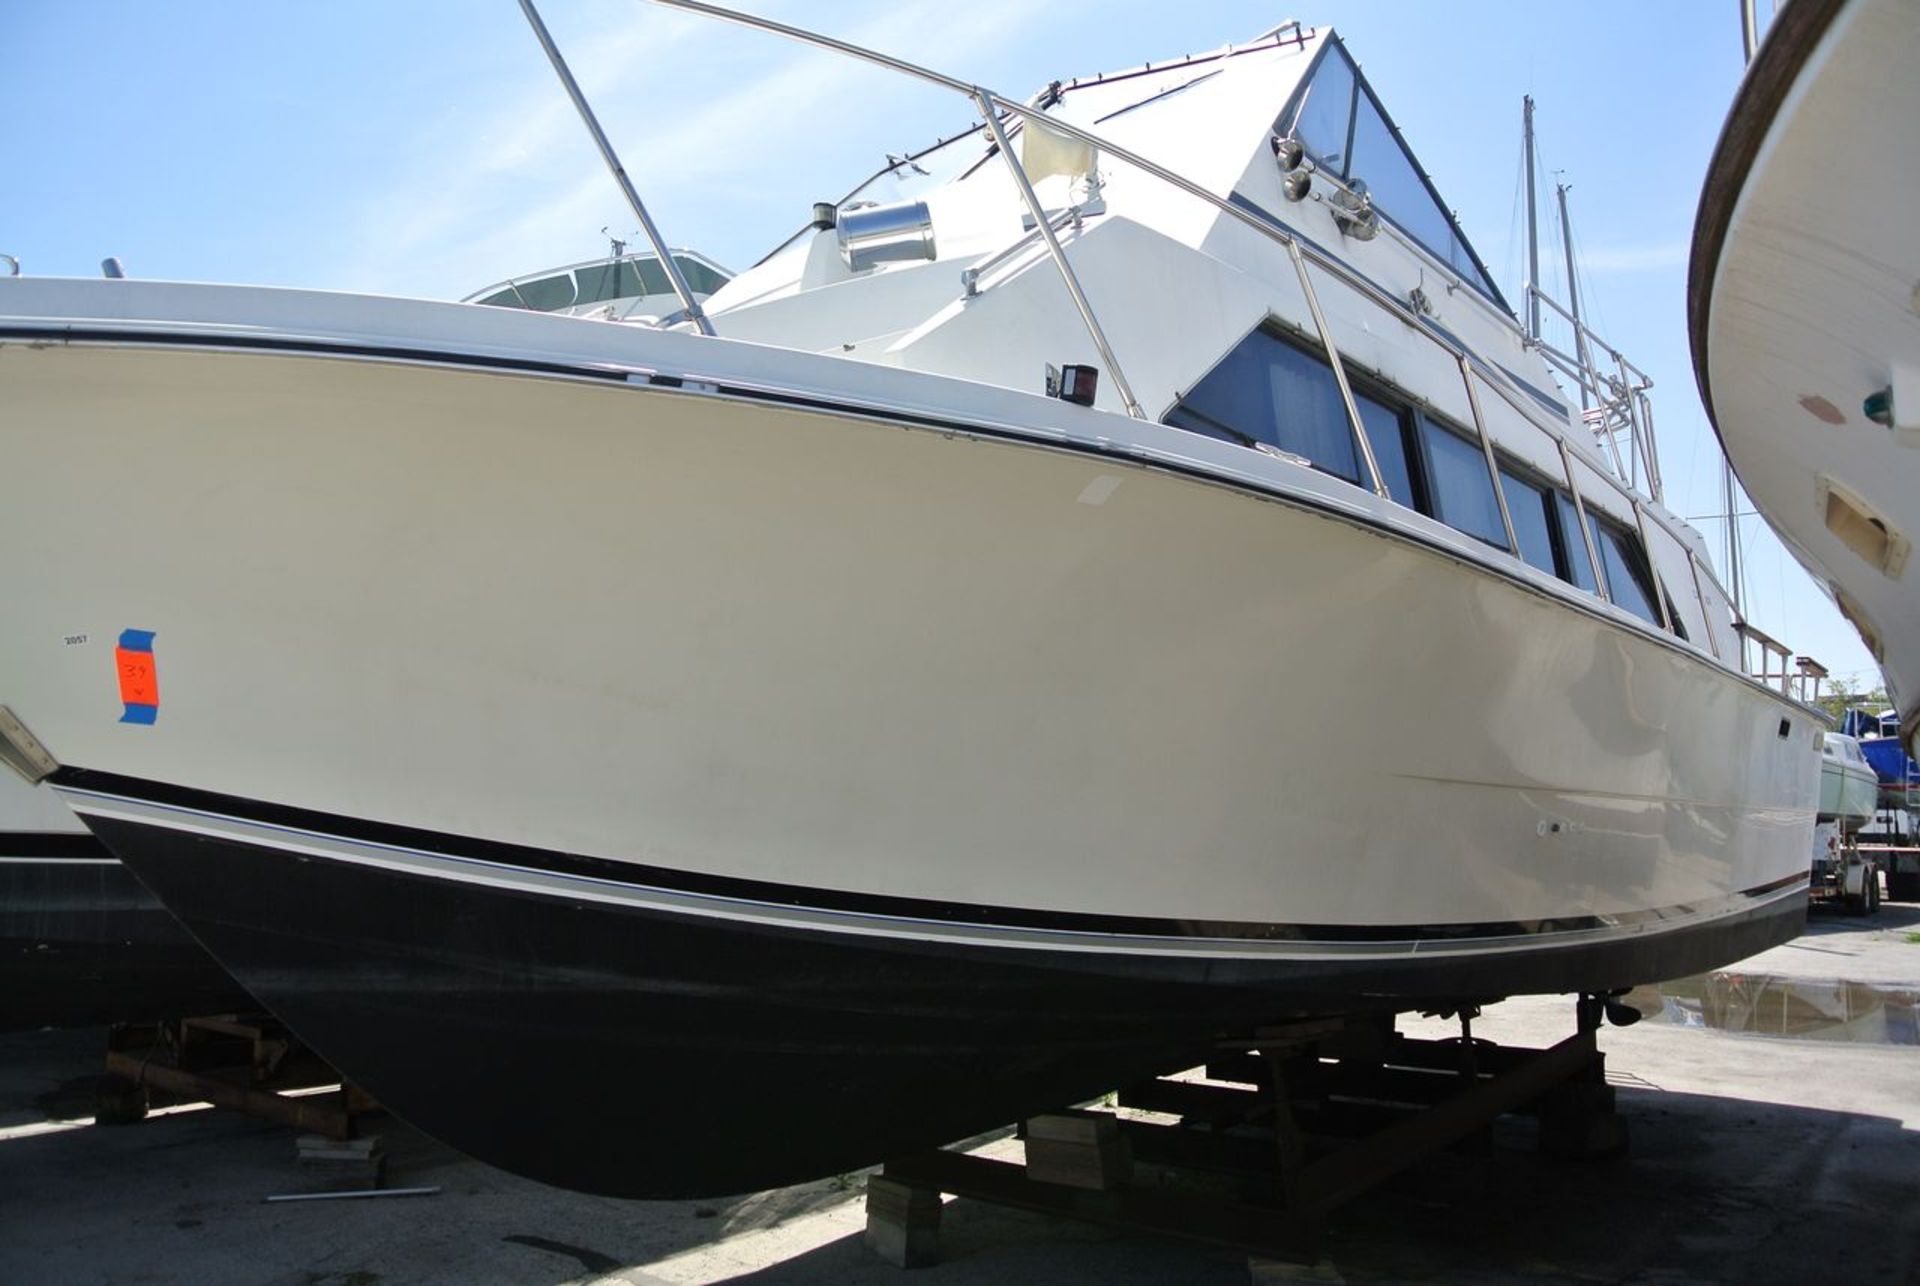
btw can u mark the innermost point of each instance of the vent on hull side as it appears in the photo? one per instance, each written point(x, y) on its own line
point(1863, 530)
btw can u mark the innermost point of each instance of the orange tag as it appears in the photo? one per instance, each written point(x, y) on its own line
point(139, 685)
point(139, 679)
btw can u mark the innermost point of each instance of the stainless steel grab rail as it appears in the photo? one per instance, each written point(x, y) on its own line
point(1299, 251)
point(680, 287)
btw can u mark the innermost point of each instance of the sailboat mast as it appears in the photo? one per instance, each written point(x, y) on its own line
point(1533, 221)
point(1573, 296)
point(1750, 41)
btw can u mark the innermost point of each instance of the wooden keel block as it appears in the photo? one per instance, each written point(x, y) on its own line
point(1078, 1150)
point(903, 1222)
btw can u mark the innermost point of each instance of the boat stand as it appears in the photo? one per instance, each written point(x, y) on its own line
point(245, 1062)
point(1282, 1129)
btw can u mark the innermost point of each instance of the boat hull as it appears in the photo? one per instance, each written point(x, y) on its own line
point(631, 1051)
point(1848, 795)
point(1094, 730)
point(1801, 310)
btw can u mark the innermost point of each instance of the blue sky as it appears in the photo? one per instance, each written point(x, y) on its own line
point(424, 147)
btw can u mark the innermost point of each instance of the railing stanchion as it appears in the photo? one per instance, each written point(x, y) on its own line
point(1339, 368)
point(695, 313)
point(1044, 227)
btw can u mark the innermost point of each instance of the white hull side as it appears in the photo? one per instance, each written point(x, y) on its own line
point(1803, 298)
point(1848, 795)
point(787, 646)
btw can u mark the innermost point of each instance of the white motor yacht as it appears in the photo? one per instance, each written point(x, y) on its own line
point(922, 687)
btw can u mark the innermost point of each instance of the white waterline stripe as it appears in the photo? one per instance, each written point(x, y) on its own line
point(490, 874)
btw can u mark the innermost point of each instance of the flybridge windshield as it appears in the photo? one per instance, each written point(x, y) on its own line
point(1337, 118)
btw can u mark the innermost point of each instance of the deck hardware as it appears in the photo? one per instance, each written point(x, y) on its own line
point(1073, 383)
point(879, 234)
point(1353, 211)
point(13, 265)
point(825, 215)
point(1044, 226)
point(110, 268)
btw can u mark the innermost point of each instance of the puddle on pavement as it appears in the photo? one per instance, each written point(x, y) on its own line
point(1770, 1005)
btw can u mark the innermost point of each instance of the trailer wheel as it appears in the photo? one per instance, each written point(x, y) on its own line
point(1856, 903)
point(1873, 889)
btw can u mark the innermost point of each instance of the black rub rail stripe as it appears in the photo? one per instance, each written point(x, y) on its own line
point(815, 899)
point(53, 846)
point(438, 357)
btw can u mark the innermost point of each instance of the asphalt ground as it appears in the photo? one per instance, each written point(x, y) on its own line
point(1756, 1157)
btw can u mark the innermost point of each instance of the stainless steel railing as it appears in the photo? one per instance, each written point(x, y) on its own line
point(1635, 412)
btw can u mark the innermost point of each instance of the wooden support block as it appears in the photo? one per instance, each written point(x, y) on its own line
point(1578, 1122)
point(343, 1164)
point(903, 1222)
point(1079, 1150)
point(1265, 1268)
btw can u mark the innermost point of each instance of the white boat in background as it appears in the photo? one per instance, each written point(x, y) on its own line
point(624, 286)
point(1804, 297)
point(794, 737)
point(1849, 787)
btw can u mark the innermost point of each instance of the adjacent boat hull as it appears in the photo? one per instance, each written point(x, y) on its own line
point(789, 783)
point(82, 942)
point(1849, 797)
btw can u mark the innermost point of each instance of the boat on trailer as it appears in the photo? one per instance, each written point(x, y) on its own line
point(1849, 786)
point(918, 690)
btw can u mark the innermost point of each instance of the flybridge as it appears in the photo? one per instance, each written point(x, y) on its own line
point(1240, 297)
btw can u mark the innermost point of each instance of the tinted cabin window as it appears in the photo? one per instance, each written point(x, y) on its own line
point(1387, 434)
point(1531, 509)
point(598, 282)
point(1266, 390)
point(1462, 488)
point(548, 294)
point(1324, 117)
point(1629, 582)
point(1343, 125)
point(702, 279)
point(1396, 186)
point(1572, 545)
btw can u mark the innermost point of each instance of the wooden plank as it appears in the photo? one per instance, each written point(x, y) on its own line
point(1344, 1175)
point(1208, 1218)
point(1215, 1104)
point(319, 1114)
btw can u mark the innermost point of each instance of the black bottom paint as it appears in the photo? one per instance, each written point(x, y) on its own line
point(83, 943)
point(646, 1054)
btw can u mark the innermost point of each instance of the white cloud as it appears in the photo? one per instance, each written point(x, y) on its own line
point(689, 103)
point(1620, 260)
